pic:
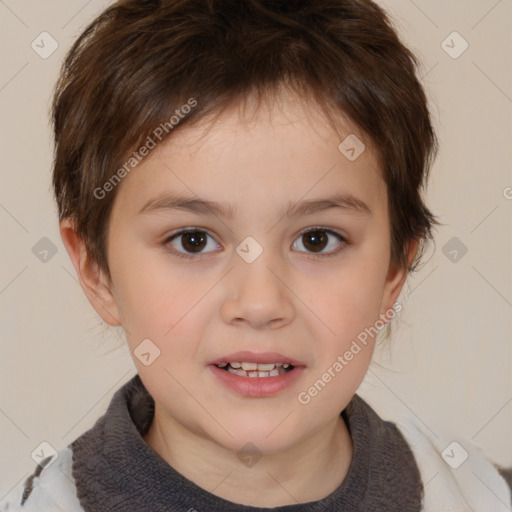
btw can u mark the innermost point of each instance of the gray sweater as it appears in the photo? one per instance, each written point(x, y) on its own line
point(115, 470)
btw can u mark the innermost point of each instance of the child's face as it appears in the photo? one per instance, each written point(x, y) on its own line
point(305, 306)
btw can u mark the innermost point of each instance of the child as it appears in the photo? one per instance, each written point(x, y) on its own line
point(239, 186)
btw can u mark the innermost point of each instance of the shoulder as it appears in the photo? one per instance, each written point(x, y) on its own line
point(456, 473)
point(50, 488)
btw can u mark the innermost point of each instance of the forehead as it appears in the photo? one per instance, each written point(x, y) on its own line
point(277, 152)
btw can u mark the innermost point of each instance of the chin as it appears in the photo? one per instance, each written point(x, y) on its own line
point(267, 437)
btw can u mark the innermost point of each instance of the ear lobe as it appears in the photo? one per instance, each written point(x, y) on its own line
point(93, 280)
point(395, 280)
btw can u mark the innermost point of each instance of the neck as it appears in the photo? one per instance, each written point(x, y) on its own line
point(309, 471)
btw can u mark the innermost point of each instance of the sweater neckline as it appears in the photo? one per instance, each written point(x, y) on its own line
point(115, 469)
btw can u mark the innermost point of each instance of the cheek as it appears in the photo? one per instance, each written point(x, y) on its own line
point(348, 334)
point(155, 298)
point(349, 300)
point(345, 341)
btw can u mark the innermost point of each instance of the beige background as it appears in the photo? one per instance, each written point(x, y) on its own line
point(451, 358)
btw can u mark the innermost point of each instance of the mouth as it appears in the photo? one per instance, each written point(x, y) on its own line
point(256, 370)
point(257, 375)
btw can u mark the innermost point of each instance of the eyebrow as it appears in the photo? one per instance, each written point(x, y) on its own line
point(345, 202)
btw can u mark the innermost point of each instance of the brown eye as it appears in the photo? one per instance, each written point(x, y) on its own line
point(189, 243)
point(315, 241)
point(194, 241)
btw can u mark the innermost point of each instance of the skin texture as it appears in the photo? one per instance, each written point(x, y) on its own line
point(303, 304)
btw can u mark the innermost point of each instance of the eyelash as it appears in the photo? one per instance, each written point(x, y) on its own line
point(199, 256)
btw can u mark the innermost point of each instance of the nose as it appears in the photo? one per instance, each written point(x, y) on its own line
point(258, 295)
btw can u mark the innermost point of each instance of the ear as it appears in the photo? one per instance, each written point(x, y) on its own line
point(395, 280)
point(93, 280)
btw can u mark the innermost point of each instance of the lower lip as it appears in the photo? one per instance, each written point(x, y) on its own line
point(257, 386)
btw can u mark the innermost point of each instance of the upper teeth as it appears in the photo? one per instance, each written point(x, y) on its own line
point(264, 367)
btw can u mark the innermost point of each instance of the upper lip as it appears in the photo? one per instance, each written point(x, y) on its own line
point(257, 357)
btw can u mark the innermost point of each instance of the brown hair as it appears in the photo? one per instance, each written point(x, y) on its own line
point(140, 61)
